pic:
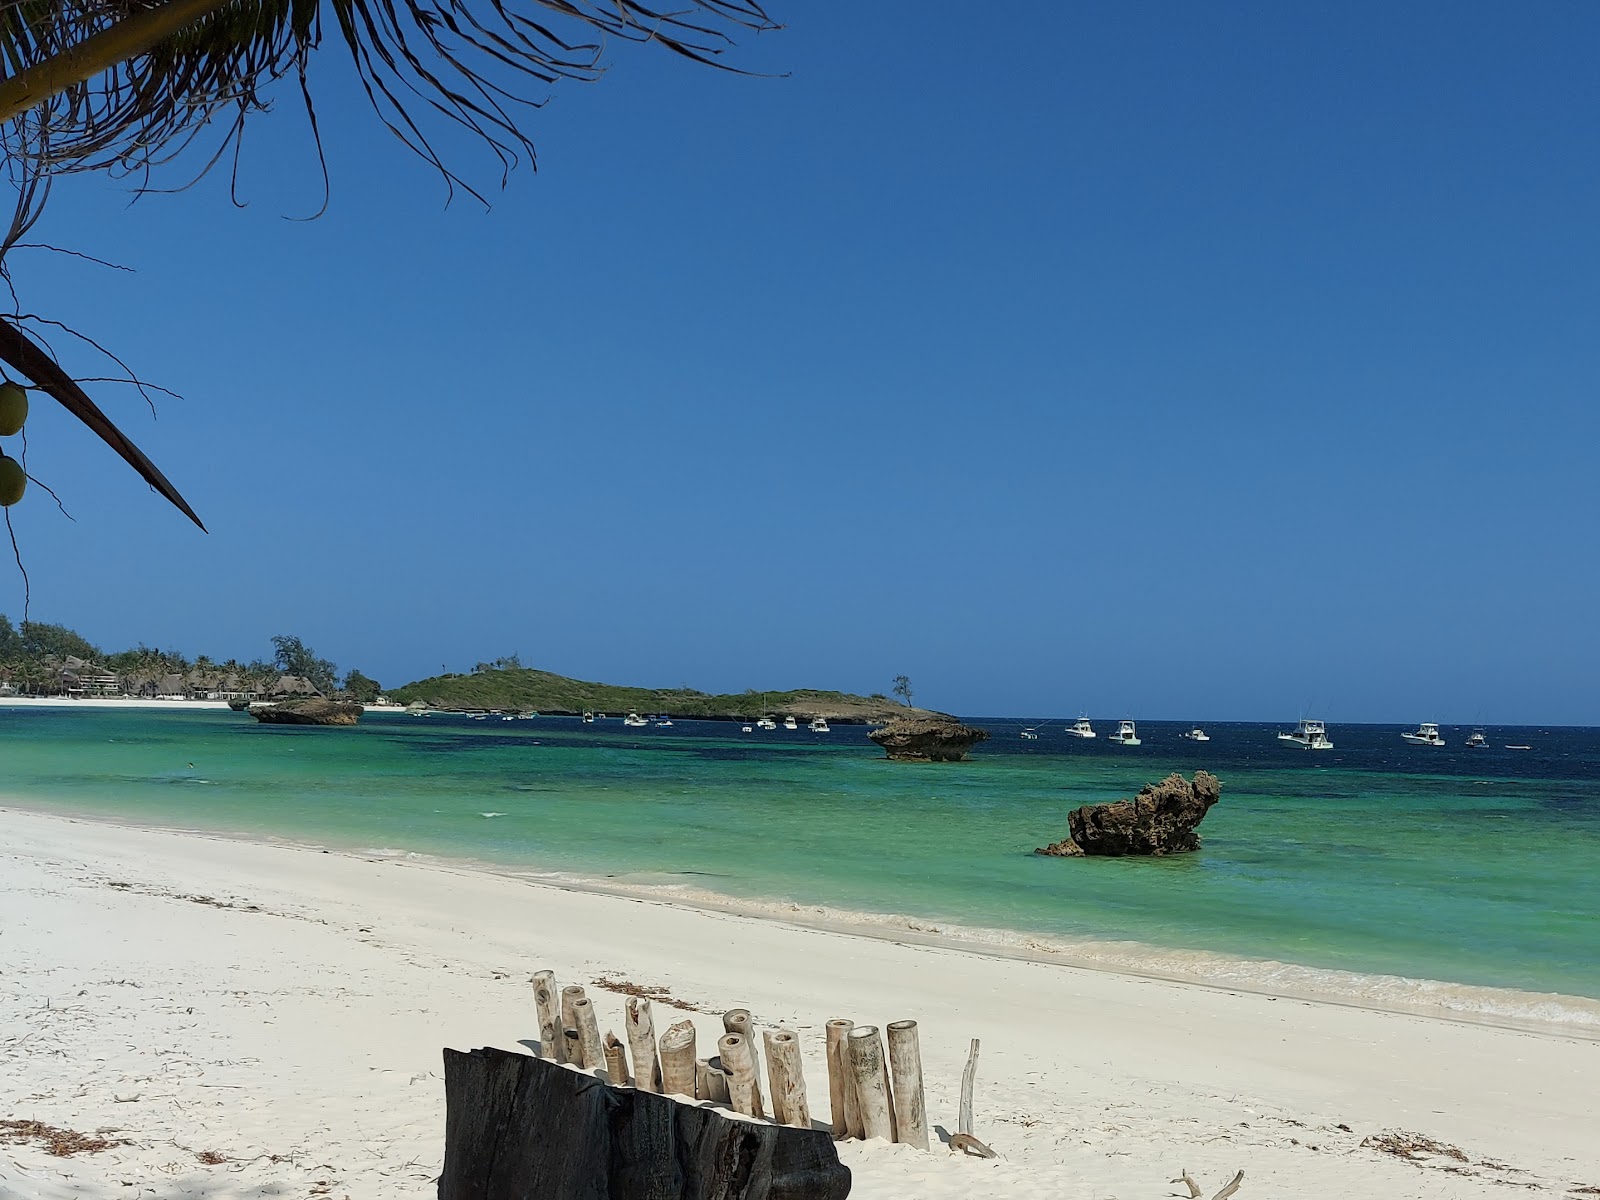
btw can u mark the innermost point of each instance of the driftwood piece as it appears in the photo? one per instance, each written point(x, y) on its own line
point(905, 1069)
point(641, 1033)
point(969, 1076)
point(1231, 1188)
point(616, 1060)
point(572, 1047)
point(841, 1095)
point(968, 1144)
point(548, 1003)
point(871, 1082)
point(1188, 1181)
point(677, 1060)
point(519, 1126)
point(737, 1020)
point(787, 1076)
point(744, 1089)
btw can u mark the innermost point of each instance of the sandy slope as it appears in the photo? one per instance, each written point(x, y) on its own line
point(285, 1008)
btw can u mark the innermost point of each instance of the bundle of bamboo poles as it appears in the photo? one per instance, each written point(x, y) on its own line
point(871, 1093)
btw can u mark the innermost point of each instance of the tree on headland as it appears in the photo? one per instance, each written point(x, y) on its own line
point(902, 688)
point(294, 657)
point(127, 88)
point(361, 688)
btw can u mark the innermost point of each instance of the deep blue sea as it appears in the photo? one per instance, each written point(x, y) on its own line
point(1378, 871)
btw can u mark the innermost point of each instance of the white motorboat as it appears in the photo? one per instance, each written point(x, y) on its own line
point(1125, 734)
point(664, 723)
point(1081, 728)
point(819, 725)
point(790, 723)
point(748, 729)
point(588, 717)
point(1196, 735)
point(1029, 735)
point(1308, 735)
point(1477, 741)
point(634, 721)
point(1427, 734)
point(766, 723)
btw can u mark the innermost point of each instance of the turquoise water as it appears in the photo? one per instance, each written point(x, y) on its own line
point(1469, 867)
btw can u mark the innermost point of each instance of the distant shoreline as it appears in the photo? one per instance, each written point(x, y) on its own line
point(108, 702)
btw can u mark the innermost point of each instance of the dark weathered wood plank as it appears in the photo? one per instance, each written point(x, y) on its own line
point(520, 1128)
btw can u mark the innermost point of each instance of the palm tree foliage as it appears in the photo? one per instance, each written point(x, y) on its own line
point(127, 86)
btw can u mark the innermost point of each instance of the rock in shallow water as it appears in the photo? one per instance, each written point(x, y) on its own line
point(927, 739)
point(308, 712)
point(1161, 819)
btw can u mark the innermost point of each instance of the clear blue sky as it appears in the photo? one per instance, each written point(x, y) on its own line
point(1157, 359)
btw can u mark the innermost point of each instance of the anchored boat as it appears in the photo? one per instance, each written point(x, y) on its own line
point(1308, 735)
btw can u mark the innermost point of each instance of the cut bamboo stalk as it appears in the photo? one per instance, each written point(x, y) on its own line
point(968, 1077)
point(588, 1027)
point(641, 1033)
point(547, 1001)
point(788, 1078)
point(841, 1096)
point(905, 1068)
point(616, 1060)
point(744, 1089)
point(677, 1060)
point(871, 1084)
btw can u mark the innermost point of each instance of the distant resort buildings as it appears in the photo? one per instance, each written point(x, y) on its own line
point(76, 678)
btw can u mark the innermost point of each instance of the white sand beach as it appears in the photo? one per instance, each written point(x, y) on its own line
point(247, 1020)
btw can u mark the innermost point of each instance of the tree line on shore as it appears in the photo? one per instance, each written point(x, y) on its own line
point(41, 659)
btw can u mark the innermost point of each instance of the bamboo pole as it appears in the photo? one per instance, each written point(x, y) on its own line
point(787, 1076)
point(616, 1060)
point(871, 1084)
point(545, 999)
point(677, 1060)
point(905, 1068)
point(968, 1077)
point(841, 1095)
point(588, 1027)
point(744, 1089)
point(641, 1033)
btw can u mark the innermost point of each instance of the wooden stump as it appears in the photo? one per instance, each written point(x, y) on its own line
point(594, 1055)
point(548, 1003)
point(521, 1127)
point(905, 1068)
point(641, 1033)
point(616, 1061)
point(677, 1060)
point(788, 1079)
point(744, 1089)
point(871, 1082)
point(841, 1095)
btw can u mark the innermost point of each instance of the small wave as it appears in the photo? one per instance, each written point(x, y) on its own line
point(1496, 1005)
point(486, 816)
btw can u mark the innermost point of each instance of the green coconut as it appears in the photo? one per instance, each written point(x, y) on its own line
point(13, 408)
point(13, 480)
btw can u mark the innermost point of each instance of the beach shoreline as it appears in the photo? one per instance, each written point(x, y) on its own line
point(1503, 1007)
point(259, 1001)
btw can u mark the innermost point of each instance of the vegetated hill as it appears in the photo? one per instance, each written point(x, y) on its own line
point(540, 691)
